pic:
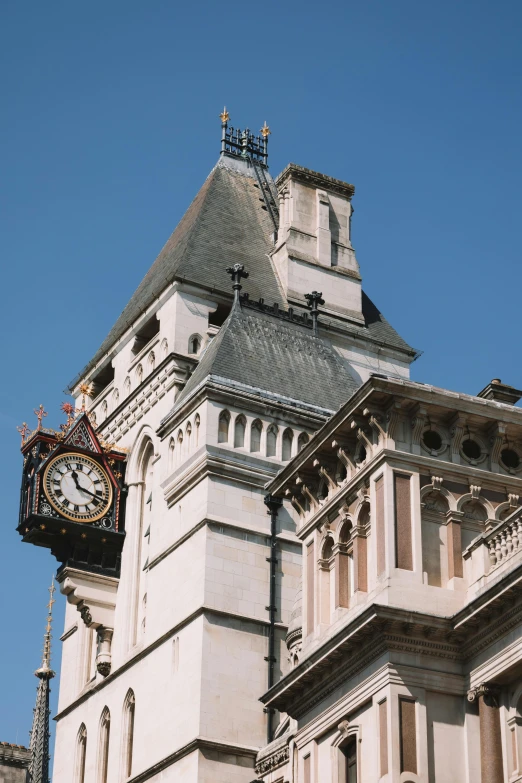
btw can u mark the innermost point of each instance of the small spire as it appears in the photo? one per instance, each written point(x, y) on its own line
point(314, 299)
point(45, 668)
point(39, 745)
point(237, 272)
point(86, 390)
point(224, 116)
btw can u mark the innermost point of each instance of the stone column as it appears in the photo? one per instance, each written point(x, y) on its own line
point(103, 658)
point(490, 735)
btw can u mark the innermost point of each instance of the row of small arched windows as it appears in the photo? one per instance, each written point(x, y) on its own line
point(256, 431)
point(102, 761)
point(181, 445)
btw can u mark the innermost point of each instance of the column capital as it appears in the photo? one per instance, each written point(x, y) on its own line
point(488, 691)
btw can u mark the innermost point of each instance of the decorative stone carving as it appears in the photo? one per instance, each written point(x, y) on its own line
point(474, 491)
point(489, 692)
point(436, 482)
point(276, 759)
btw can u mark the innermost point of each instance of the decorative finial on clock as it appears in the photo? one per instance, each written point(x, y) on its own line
point(69, 410)
point(23, 430)
point(224, 116)
point(265, 131)
point(40, 414)
point(86, 390)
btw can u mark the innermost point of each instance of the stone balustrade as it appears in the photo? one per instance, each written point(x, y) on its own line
point(504, 541)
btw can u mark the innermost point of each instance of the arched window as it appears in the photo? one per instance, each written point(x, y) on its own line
point(349, 752)
point(271, 441)
point(194, 344)
point(164, 348)
point(434, 534)
point(147, 476)
point(303, 440)
point(103, 747)
point(151, 361)
point(172, 453)
point(180, 447)
point(288, 440)
point(81, 753)
point(126, 387)
point(188, 437)
point(326, 565)
point(139, 374)
point(129, 707)
point(197, 422)
point(239, 432)
point(224, 421)
point(115, 399)
point(255, 436)
point(104, 410)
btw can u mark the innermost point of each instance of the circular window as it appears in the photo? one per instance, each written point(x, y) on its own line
point(471, 449)
point(510, 458)
point(432, 440)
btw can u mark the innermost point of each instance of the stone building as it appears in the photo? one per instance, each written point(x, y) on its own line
point(250, 358)
point(14, 763)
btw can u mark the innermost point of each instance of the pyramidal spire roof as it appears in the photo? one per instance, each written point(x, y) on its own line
point(225, 224)
point(39, 746)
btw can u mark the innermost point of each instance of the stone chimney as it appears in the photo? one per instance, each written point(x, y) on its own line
point(313, 250)
point(501, 392)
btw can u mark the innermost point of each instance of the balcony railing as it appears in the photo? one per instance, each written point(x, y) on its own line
point(505, 539)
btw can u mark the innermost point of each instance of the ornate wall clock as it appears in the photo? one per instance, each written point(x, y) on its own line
point(73, 495)
point(77, 487)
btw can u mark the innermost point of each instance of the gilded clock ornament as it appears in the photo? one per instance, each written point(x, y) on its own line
point(77, 487)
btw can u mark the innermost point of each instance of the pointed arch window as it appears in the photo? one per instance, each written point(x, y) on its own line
point(188, 437)
point(129, 708)
point(103, 746)
point(139, 374)
point(104, 410)
point(81, 754)
point(127, 387)
point(271, 441)
point(115, 399)
point(180, 446)
point(239, 432)
point(197, 422)
point(172, 453)
point(302, 441)
point(164, 348)
point(288, 441)
point(194, 344)
point(152, 361)
point(255, 436)
point(224, 423)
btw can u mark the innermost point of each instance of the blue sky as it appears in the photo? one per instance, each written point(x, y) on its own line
point(110, 126)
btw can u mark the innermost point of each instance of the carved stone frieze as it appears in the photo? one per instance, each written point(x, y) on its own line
point(280, 756)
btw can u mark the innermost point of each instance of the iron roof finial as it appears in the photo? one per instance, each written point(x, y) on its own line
point(314, 299)
point(237, 272)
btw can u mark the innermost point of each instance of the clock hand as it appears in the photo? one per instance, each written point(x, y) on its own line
point(74, 476)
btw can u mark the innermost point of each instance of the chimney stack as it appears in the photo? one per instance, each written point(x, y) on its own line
point(500, 392)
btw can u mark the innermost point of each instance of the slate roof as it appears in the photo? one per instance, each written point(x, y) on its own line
point(260, 352)
point(227, 223)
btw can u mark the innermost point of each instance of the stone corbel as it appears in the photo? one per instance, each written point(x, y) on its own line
point(307, 492)
point(474, 491)
point(323, 472)
point(456, 427)
point(513, 501)
point(363, 437)
point(94, 596)
point(392, 419)
point(418, 422)
point(294, 500)
point(104, 655)
point(376, 422)
point(497, 436)
point(436, 482)
point(343, 455)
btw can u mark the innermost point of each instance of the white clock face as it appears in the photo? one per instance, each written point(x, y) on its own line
point(77, 487)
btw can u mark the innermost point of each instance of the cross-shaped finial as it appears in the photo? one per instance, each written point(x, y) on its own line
point(237, 272)
point(23, 430)
point(314, 299)
point(40, 414)
point(68, 409)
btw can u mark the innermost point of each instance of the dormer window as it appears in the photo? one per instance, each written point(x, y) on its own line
point(145, 334)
